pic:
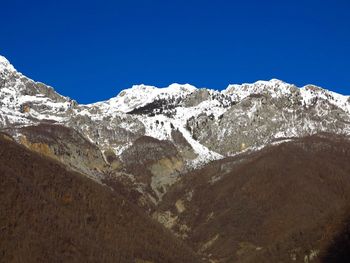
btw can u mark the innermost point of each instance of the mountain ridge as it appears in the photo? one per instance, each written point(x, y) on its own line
point(203, 124)
point(6, 64)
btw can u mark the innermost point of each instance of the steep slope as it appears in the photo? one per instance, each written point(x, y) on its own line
point(281, 204)
point(65, 145)
point(215, 124)
point(202, 124)
point(49, 214)
point(338, 249)
point(24, 101)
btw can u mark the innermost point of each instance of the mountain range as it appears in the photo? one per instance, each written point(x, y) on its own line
point(253, 173)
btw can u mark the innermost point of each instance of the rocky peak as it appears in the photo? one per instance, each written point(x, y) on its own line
point(139, 96)
point(274, 88)
point(5, 65)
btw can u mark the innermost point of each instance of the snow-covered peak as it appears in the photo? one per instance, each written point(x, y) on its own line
point(271, 82)
point(182, 87)
point(279, 89)
point(274, 87)
point(310, 93)
point(260, 84)
point(141, 95)
point(5, 65)
point(139, 88)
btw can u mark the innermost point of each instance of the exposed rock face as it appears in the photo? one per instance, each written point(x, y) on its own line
point(260, 118)
point(197, 97)
point(153, 162)
point(148, 150)
point(63, 144)
point(183, 146)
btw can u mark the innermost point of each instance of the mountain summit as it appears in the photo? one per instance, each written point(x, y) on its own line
point(5, 65)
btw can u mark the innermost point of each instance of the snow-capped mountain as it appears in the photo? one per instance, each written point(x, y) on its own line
point(202, 124)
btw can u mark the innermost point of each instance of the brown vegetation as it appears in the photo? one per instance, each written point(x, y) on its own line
point(285, 203)
point(49, 214)
point(282, 204)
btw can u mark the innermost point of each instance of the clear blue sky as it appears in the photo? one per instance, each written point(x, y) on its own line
point(90, 50)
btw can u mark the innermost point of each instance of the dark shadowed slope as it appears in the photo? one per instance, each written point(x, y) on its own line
point(281, 204)
point(338, 249)
point(49, 214)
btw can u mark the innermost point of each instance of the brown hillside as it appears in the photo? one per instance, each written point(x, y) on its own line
point(282, 204)
point(49, 214)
